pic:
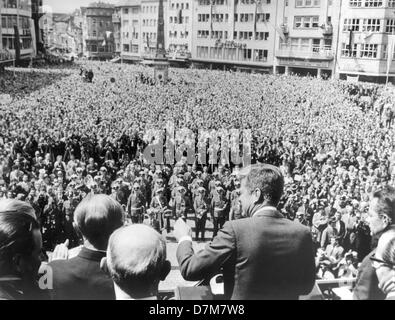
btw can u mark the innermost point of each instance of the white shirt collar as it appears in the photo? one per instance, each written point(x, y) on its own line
point(121, 295)
point(264, 209)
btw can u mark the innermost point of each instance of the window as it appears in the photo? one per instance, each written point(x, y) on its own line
point(306, 22)
point(373, 3)
point(202, 52)
point(126, 11)
point(230, 53)
point(261, 35)
point(246, 54)
point(260, 55)
point(371, 25)
point(351, 25)
point(355, 3)
point(135, 48)
point(369, 51)
point(307, 3)
point(346, 51)
point(126, 47)
point(390, 26)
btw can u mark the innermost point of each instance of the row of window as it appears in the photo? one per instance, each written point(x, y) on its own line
point(101, 49)
point(232, 54)
point(9, 21)
point(149, 9)
point(131, 48)
point(182, 6)
point(135, 35)
point(179, 19)
point(372, 3)
point(101, 23)
point(150, 35)
point(182, 34)
point(149, 22)
point(306, 22)
point(23, 4)
point(134, 10)
point(307, 3)
point(241, 35)
point(369, 25)
point(365, 50)
point(8, 43)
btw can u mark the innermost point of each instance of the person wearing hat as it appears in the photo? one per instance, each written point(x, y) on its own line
point(136, 205)
point(181, 204)
point(160, 210)
point(219, 209)
point(195, 186)
point(201, 206)
point(236, 211)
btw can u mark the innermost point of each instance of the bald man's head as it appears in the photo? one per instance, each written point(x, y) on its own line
point(136, 259)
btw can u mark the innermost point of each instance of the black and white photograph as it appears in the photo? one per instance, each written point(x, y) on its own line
point(197, 150)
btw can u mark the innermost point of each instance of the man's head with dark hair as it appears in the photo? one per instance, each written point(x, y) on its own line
point(261, 185)
point(382, 210)
point(97, 217)
point(136, 261)
point(20, 240)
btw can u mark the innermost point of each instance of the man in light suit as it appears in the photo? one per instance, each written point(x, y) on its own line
point(381, 219)
point(265, 256)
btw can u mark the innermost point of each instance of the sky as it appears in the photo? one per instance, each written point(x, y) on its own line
point(68, 6)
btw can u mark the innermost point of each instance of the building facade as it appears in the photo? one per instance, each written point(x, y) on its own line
point(16, 21)
point(307, 37)
point(240, 33)
point(98, 31)
point(364, 33)
point(180, 29)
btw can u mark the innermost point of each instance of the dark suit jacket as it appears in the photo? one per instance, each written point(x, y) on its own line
point(367, 286)
point(81, 278)
point(263, 257)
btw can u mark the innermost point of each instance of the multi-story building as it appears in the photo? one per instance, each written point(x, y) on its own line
point(365, 27)
point(129, 18)
point(239, 33)
point(137, 24)
point(307, 37)
point(97, 26)
point(116, 21)
point(37, 13)
point(180, 26)
point(16, 21)
point(149, 27)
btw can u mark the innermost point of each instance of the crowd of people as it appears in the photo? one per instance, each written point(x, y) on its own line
point(62, 139)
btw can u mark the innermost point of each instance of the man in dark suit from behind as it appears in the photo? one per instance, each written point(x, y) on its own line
point(81, 278)
point(262, 257)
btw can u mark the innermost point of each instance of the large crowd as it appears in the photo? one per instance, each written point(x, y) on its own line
point(62, 138)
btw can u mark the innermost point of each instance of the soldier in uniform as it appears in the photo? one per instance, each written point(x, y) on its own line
point(159, 210)
point(219, 207)
point(181, 204)
point(236, 211)
point(136, 205)
point(69, 207)
point(202, 207)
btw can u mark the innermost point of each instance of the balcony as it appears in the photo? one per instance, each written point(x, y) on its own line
point(179, 55)
point(314, 53)
point(116, 18)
